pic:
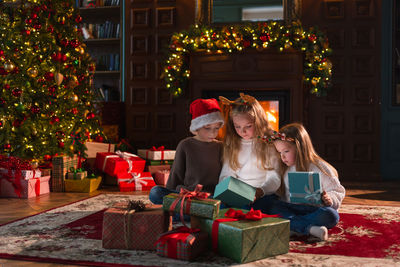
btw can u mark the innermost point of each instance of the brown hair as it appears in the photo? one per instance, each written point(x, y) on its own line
point(305, 152)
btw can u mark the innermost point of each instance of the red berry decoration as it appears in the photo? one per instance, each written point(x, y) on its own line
point(90, 115)
point(17, 92)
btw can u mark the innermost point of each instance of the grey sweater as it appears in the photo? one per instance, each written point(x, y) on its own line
point(196, 162)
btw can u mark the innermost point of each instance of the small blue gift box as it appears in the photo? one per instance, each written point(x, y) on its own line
point(234, 192)
point(305, 188)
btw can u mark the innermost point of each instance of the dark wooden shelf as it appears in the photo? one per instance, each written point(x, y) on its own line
point(107, 72)
point(100, 11)
point(102, 41)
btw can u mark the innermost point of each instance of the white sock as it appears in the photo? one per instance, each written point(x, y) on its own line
point(319, 231)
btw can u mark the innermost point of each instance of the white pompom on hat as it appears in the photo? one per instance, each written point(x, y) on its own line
point(204, 112)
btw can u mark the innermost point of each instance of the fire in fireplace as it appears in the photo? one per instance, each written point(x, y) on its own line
point(274, 102)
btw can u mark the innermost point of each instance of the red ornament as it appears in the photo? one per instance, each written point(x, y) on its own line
point(78, 19)
point(17, 92)
point(27, 32)
point(1, 124)
point(34, 16)
point(37, 26)
point(61, 144)
point(17, 122)
point(90, 115)
point(246, 43)
point(74, 111)
point(54, 119)
point(49, 76)
point(35, 109)
point(46, 157)
point(7, 146)
point(99, 139)
point(28, 21)
point(264, 37)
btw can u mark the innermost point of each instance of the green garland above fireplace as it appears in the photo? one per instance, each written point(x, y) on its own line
point(236, 38)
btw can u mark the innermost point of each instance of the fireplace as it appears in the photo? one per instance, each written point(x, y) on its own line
point(273, 78)
point(275, 103)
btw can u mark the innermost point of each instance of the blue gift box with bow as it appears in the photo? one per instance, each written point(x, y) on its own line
point(305, 188)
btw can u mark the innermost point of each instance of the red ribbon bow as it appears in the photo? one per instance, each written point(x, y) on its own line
point(160, 148)
point(187, 195)
point(236, 215)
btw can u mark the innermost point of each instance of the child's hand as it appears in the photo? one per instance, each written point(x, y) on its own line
point(326, 199)
point(259, 193)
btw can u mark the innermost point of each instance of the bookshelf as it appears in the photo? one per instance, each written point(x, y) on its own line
point(102, 28)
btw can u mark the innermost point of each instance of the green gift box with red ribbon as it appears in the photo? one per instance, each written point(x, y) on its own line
point(195, 203)
point(245, 236)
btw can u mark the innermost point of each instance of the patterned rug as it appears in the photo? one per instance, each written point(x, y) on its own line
point(71, 234)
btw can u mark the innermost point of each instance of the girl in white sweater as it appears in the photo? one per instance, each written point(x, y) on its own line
point(298, 154)
point(245, 156)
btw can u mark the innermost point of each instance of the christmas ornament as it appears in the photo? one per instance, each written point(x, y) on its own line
point(17, 92)
point(58, 78)
point(75, 98)
point(90, 115)
point(61, 144)
point(34, 164)
point(20, 107)
point(7, 146)
point(32, 72)
point(46, 157)
point(9, 66)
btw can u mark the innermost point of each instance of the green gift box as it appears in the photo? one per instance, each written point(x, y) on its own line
point(207, 208)
point(246, 240)
point(234, 192)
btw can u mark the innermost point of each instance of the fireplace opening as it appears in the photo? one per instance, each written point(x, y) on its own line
point(275, 102)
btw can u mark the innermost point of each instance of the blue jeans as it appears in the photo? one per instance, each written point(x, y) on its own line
point(156, 196)
point(302, 217)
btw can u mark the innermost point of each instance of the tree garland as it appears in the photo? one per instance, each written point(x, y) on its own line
point(228, 39)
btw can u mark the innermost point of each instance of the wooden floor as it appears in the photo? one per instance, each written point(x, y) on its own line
point(378, 194)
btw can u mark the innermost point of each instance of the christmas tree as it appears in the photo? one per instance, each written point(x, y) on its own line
point(47, 98)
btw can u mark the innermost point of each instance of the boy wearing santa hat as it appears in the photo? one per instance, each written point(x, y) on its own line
point(198, 158)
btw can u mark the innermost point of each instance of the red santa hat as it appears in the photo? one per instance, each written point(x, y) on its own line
point(204, 112)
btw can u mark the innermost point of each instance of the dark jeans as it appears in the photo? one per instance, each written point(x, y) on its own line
point(301, 216)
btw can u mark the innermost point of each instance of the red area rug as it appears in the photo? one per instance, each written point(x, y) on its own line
point(365, 236)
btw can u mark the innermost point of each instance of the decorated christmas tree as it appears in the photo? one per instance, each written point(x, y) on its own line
point(46, 93)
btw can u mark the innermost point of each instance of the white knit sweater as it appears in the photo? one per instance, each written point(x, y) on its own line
point(269, 181)
point(330, 184)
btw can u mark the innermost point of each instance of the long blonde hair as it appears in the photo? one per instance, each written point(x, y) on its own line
point(305, 152)
point(246, 105)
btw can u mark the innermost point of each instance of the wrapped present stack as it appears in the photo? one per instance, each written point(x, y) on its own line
point(19, 180)
point(61, 165)
point(79, 181)
point(93, 148)
point(157, 156)
point(126, 170)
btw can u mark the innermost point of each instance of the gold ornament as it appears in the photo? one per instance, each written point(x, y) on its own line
point(58, 77)
point(220, 44)
point(71, 147)
point(32, 72)
point(75, 98)
point(73, 82)
point(288, 45)
point(209, 45)
point(9, 66)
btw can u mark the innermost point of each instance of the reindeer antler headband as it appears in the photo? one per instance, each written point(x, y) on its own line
point(276, 136)
point(243, 100)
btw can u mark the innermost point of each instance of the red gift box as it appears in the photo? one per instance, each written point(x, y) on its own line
point(161, 177)
point(142, 181)
point(21, 188)
point(130, 229)
point(119, 162)
point(182, 243)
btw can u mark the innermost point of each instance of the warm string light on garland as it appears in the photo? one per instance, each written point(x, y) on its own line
point(228, 39)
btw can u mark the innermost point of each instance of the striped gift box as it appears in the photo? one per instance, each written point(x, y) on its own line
point(61, 165)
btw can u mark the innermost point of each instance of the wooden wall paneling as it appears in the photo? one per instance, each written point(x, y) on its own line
point(153, 117)
point(345, 125)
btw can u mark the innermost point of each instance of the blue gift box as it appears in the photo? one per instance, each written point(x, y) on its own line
point(305, 188)
point(234, 192)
